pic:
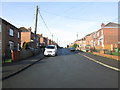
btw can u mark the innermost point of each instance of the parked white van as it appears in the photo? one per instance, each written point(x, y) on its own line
point(50, 50)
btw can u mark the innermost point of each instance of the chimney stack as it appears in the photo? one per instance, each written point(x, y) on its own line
point(102, 25)
point(30, 29)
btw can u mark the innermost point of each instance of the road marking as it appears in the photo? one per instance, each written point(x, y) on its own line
point(114, 68)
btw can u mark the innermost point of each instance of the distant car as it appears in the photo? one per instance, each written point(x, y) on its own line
point(61, 47)
point(72, 49)
point(50, 50)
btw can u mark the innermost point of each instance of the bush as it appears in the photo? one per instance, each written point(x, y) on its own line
point(75, 45)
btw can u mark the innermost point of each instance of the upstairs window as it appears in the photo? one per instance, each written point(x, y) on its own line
point(98, 34)
point(18, 34)
point(102, 32)
point(11, 32)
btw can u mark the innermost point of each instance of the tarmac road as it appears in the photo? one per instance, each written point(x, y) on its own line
point(67, 70)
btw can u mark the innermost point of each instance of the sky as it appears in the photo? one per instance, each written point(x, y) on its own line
point(64, 19)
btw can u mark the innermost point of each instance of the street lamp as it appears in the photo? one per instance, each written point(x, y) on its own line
point(77, 36)
point(52, 38)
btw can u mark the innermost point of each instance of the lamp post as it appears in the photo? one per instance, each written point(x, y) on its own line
point(52, 38)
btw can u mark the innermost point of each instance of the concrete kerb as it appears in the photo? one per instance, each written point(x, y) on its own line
point(22, 69)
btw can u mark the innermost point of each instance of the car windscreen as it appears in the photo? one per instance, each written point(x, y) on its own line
point(50, 47)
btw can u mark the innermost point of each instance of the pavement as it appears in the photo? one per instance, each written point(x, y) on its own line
point(11, 69)
point(107, 61)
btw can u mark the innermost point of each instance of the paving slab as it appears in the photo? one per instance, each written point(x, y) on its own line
point(10, 69)
point(108, 61)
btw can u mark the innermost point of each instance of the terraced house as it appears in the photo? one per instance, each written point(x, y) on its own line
point(11, 39)
point(107, 37)
point(28, 36)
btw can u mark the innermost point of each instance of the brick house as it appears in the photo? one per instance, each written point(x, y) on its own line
point(49, 42)
point(28, 36)
point(111, 35)
point(11, 38)
point(82, 43)
point(43, 40)
point(105, 38)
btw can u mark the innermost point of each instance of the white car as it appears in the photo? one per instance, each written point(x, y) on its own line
point(50, 50)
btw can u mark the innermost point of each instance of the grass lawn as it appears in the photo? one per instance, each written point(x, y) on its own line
point(116, 53)
point(8, 60)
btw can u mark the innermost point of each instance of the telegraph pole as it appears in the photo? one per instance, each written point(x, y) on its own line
point(36, 18)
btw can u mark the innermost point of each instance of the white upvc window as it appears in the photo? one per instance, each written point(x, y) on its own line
point(98, 34)
point(98, 42)
point(84, 45)
point(0, 28)
point(18, 34)
point(94, 36)
point(102, 32)
point(84, 41)
point(18, 47)
point(11, 45)
point(11, 32)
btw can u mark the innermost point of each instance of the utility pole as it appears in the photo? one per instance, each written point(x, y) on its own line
point(36, 18)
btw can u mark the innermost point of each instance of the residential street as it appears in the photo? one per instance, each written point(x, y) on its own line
point(66, 70)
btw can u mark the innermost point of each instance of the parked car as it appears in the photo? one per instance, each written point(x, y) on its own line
point(50, 50)
point(72, 49)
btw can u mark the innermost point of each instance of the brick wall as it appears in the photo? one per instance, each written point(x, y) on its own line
point(106, 55)
point(25, 37)
point(110, 37)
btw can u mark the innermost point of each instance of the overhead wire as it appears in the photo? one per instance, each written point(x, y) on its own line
point(74, 18)
point(44, 22)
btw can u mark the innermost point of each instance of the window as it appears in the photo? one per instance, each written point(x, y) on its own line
point(102, 32)
point(11, 45)
point(11, 32)
point(50, 47)
point(18, 47)
point(37, 39)
point(18, 34)
point(98, 42)
point(84, 41)
point(94, 36)
point(98, 34)
point(0, 28)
